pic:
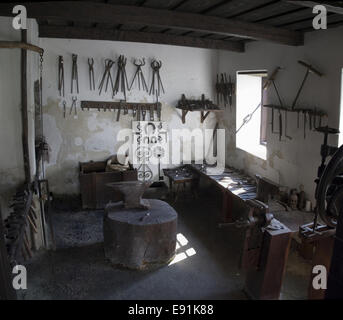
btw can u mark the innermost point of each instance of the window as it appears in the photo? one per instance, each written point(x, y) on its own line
point(251, 116)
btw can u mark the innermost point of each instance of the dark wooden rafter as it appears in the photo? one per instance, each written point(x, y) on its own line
point(333, 20)
point(278, 15)
point(107, 13)
point(270, 11)
point(261, 6)
point(307, 20)
point(139, 4)
point(174, 7)
point(331, 6)
point(136, 36)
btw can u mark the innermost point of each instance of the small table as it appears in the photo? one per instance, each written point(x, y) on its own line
point(180, 176)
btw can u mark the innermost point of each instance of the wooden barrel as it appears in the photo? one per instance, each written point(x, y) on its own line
point(139, 238)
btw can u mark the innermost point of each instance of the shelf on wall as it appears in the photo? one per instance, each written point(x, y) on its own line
point(204, 106)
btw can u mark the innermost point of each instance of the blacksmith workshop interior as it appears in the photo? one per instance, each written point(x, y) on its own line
point(171, 150)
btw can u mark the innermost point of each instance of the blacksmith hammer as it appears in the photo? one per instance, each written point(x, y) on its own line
point(309, 69)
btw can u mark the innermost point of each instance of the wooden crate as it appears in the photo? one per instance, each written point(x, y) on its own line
point(95, 193)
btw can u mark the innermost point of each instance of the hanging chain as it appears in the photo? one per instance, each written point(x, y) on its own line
point(41, 88)
point(41, 71)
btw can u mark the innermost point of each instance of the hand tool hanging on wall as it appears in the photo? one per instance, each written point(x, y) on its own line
point(218, 89)
point(60, 76)
point(272, 80)
point(309, 70)
point(143, 113)
point(119, 110)
point(134, 111)
point(64, 108)
point(158, 108)
point(151, 113)
point(138, 113)
point(223, 86)
point(126, 110)
point(121, 78)
point(225, 89)
point(106, 76)
point(73, 105)
point(280, 115)
point(156, 82)
point(286, 134)
point(280, 125)
point(230, 90)
point(74, 74)
point(298, 119)
point(91, 74)
point(140, 76)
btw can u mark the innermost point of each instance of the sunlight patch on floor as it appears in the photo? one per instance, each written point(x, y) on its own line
point(180, 244)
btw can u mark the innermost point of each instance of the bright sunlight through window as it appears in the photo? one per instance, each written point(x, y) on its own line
point(250, 120)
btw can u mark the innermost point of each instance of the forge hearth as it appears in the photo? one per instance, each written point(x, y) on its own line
point(141, 236)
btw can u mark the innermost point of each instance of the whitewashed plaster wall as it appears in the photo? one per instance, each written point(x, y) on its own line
point(92, 135)
point(290, 162)
point(11, 159)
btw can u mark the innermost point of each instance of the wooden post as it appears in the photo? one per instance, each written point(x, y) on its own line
point(24, 119)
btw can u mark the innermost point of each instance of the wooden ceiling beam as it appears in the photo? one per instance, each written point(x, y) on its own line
point(330, 6)
point(48, 31)
point(107, 13)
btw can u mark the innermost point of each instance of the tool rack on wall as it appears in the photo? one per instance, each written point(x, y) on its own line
point(311, 117)
point(136, 107)
point(108, 105)
point(205, 106)
point(311, 113)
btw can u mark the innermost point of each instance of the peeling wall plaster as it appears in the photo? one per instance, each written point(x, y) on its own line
point(92, 134)
point(292, 162)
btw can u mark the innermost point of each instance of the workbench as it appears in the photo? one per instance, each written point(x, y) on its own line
point(233, 184)
point(180, 177)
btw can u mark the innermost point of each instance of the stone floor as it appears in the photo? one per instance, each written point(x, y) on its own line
point(207, 267)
